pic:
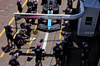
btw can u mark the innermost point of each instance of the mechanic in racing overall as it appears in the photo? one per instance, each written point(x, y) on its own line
point(38, 51)
point(20, 40)
point(70, 4)
point(57, 51)
point(85, 52)
point(28, 32)
point(67, 26)
point(35, 5)
point(30, 10)
point(68, 10)
point(9, 32)
point(26, 26)
point(13, 61)
point(70, 39)
point(66, 50)
point(19, 6)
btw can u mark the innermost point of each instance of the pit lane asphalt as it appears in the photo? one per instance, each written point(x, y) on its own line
point(7, 10)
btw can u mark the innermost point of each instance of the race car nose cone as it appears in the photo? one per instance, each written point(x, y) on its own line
point(50, 5)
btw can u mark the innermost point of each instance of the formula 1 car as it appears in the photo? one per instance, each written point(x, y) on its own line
point(49, 24)
point(54, 5)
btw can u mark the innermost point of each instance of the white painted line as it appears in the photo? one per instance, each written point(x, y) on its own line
point(45, 40)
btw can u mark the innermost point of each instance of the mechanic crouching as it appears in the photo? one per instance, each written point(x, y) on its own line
point(26, 26)
point(20, 40)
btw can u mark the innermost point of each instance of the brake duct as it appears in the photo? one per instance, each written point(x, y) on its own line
point(52, 16)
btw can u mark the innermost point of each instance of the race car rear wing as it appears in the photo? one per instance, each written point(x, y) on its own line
point(52, 16)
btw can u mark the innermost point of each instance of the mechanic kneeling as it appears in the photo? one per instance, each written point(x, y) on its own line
point(19, 41)
point(27, 27)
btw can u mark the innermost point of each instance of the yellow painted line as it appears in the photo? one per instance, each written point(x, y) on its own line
point(35, 27)
point(2, 32)
point(16, 34)
point(4, 52)
point(60, 31)
point(32, 36)
point(7, 47)
point(30, 43)
point(24, 3)
point(27, 51)
point(12, 19)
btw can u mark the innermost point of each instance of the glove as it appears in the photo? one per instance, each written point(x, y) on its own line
point(25, 37)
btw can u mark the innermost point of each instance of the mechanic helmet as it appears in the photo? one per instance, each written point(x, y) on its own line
point(18, 1)
point(35, 2)
point(38, 44)
point(11, 26)
point(83, 43)
point(65, 37)
point(86, 45)
point(68, 9)
point(57, 43)
point(66, 34)
point(22, 30)
point(15, 56)
point(66, 22)
point(8, 26)
point(29, 3)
